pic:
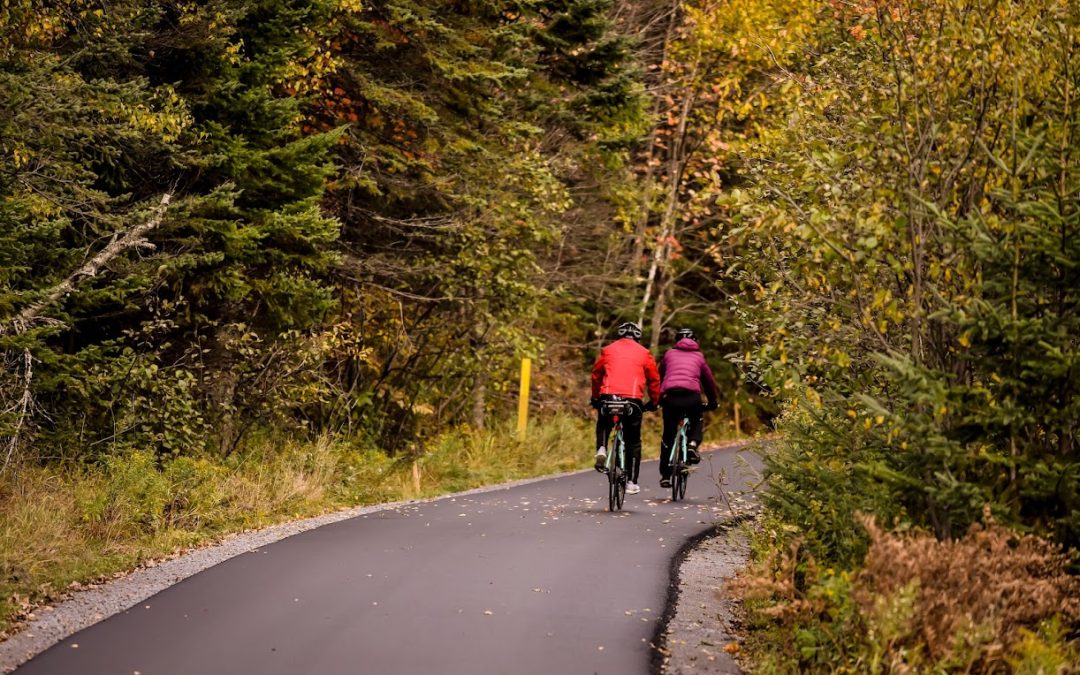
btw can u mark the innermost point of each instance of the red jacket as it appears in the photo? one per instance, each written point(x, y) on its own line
point(625, 368)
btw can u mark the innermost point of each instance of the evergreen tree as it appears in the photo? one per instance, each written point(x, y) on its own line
point(142, 100)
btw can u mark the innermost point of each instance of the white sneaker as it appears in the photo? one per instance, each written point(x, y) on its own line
point(632, 488)
point(601, 458)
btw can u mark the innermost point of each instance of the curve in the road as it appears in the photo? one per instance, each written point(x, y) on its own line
point(537, 578)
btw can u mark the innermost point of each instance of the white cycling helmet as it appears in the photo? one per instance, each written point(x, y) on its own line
point(630, 330)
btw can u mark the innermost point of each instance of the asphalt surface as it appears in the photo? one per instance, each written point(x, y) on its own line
point(537, 578)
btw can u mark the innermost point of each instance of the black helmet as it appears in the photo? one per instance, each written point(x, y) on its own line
point(630, 330)
point(684, 333)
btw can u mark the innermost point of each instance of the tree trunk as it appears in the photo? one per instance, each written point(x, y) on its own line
point(647, 182)
point(676, 164)
point(479, 394)
point(660, 307)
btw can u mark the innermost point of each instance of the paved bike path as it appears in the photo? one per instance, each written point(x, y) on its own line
point(537, 578)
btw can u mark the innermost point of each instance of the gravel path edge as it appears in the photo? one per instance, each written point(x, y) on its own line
point(700, 622)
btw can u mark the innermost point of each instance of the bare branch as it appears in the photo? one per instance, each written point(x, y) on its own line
point(23, 408)
point(133, 238)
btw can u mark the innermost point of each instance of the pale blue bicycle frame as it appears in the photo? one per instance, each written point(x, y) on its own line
point(680, 446)
point(617, 448)
point(681, 443)
point(615, 466)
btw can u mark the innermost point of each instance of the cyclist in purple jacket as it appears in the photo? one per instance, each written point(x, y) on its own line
point(684, 376)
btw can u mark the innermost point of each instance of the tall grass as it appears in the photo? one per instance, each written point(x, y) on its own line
point(68, 525)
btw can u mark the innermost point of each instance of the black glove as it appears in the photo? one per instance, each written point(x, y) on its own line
point(595, 403)
point(712, 405)
point(651, 406)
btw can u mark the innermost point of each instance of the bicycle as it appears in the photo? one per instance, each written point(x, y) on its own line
point(680, 471)
point(615, 468)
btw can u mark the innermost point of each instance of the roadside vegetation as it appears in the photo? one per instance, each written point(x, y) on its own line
point(905, 222)
point(992, 601)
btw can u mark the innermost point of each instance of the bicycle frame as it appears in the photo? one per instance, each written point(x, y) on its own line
point(617, 446)
point(615, 465)
point(681, 443)
point(677, 461)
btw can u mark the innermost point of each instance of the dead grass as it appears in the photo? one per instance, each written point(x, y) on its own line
point(995, 601)
point(976, 597)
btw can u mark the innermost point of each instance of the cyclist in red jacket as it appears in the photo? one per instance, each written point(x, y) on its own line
point(624, 370)
point(685, 377)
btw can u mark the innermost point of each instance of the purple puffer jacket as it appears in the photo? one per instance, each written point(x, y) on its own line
point(684, 367)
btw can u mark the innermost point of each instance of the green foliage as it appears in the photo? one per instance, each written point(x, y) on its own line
point(1045, 650)
point(894, 208)
point(821, 475)
point(910, 246)
point(469, 127)
point(109, 110)
point(365, 198)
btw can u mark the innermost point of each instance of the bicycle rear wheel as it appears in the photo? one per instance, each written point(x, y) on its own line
point(620, 491)
point(613, 488)
point(678, 477)
point(684, 477)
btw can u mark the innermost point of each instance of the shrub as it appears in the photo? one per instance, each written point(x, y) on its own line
point(821, 476)
point(195, 492)
point(976, 595)
point(128, 500)
point(993, 601)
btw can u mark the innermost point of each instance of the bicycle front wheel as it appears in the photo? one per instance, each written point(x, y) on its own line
point(683, 479)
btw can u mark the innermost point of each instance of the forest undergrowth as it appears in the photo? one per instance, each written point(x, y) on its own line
point(991, 601)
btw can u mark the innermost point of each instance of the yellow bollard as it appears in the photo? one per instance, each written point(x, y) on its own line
point(523, 399)
point(738, 426)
